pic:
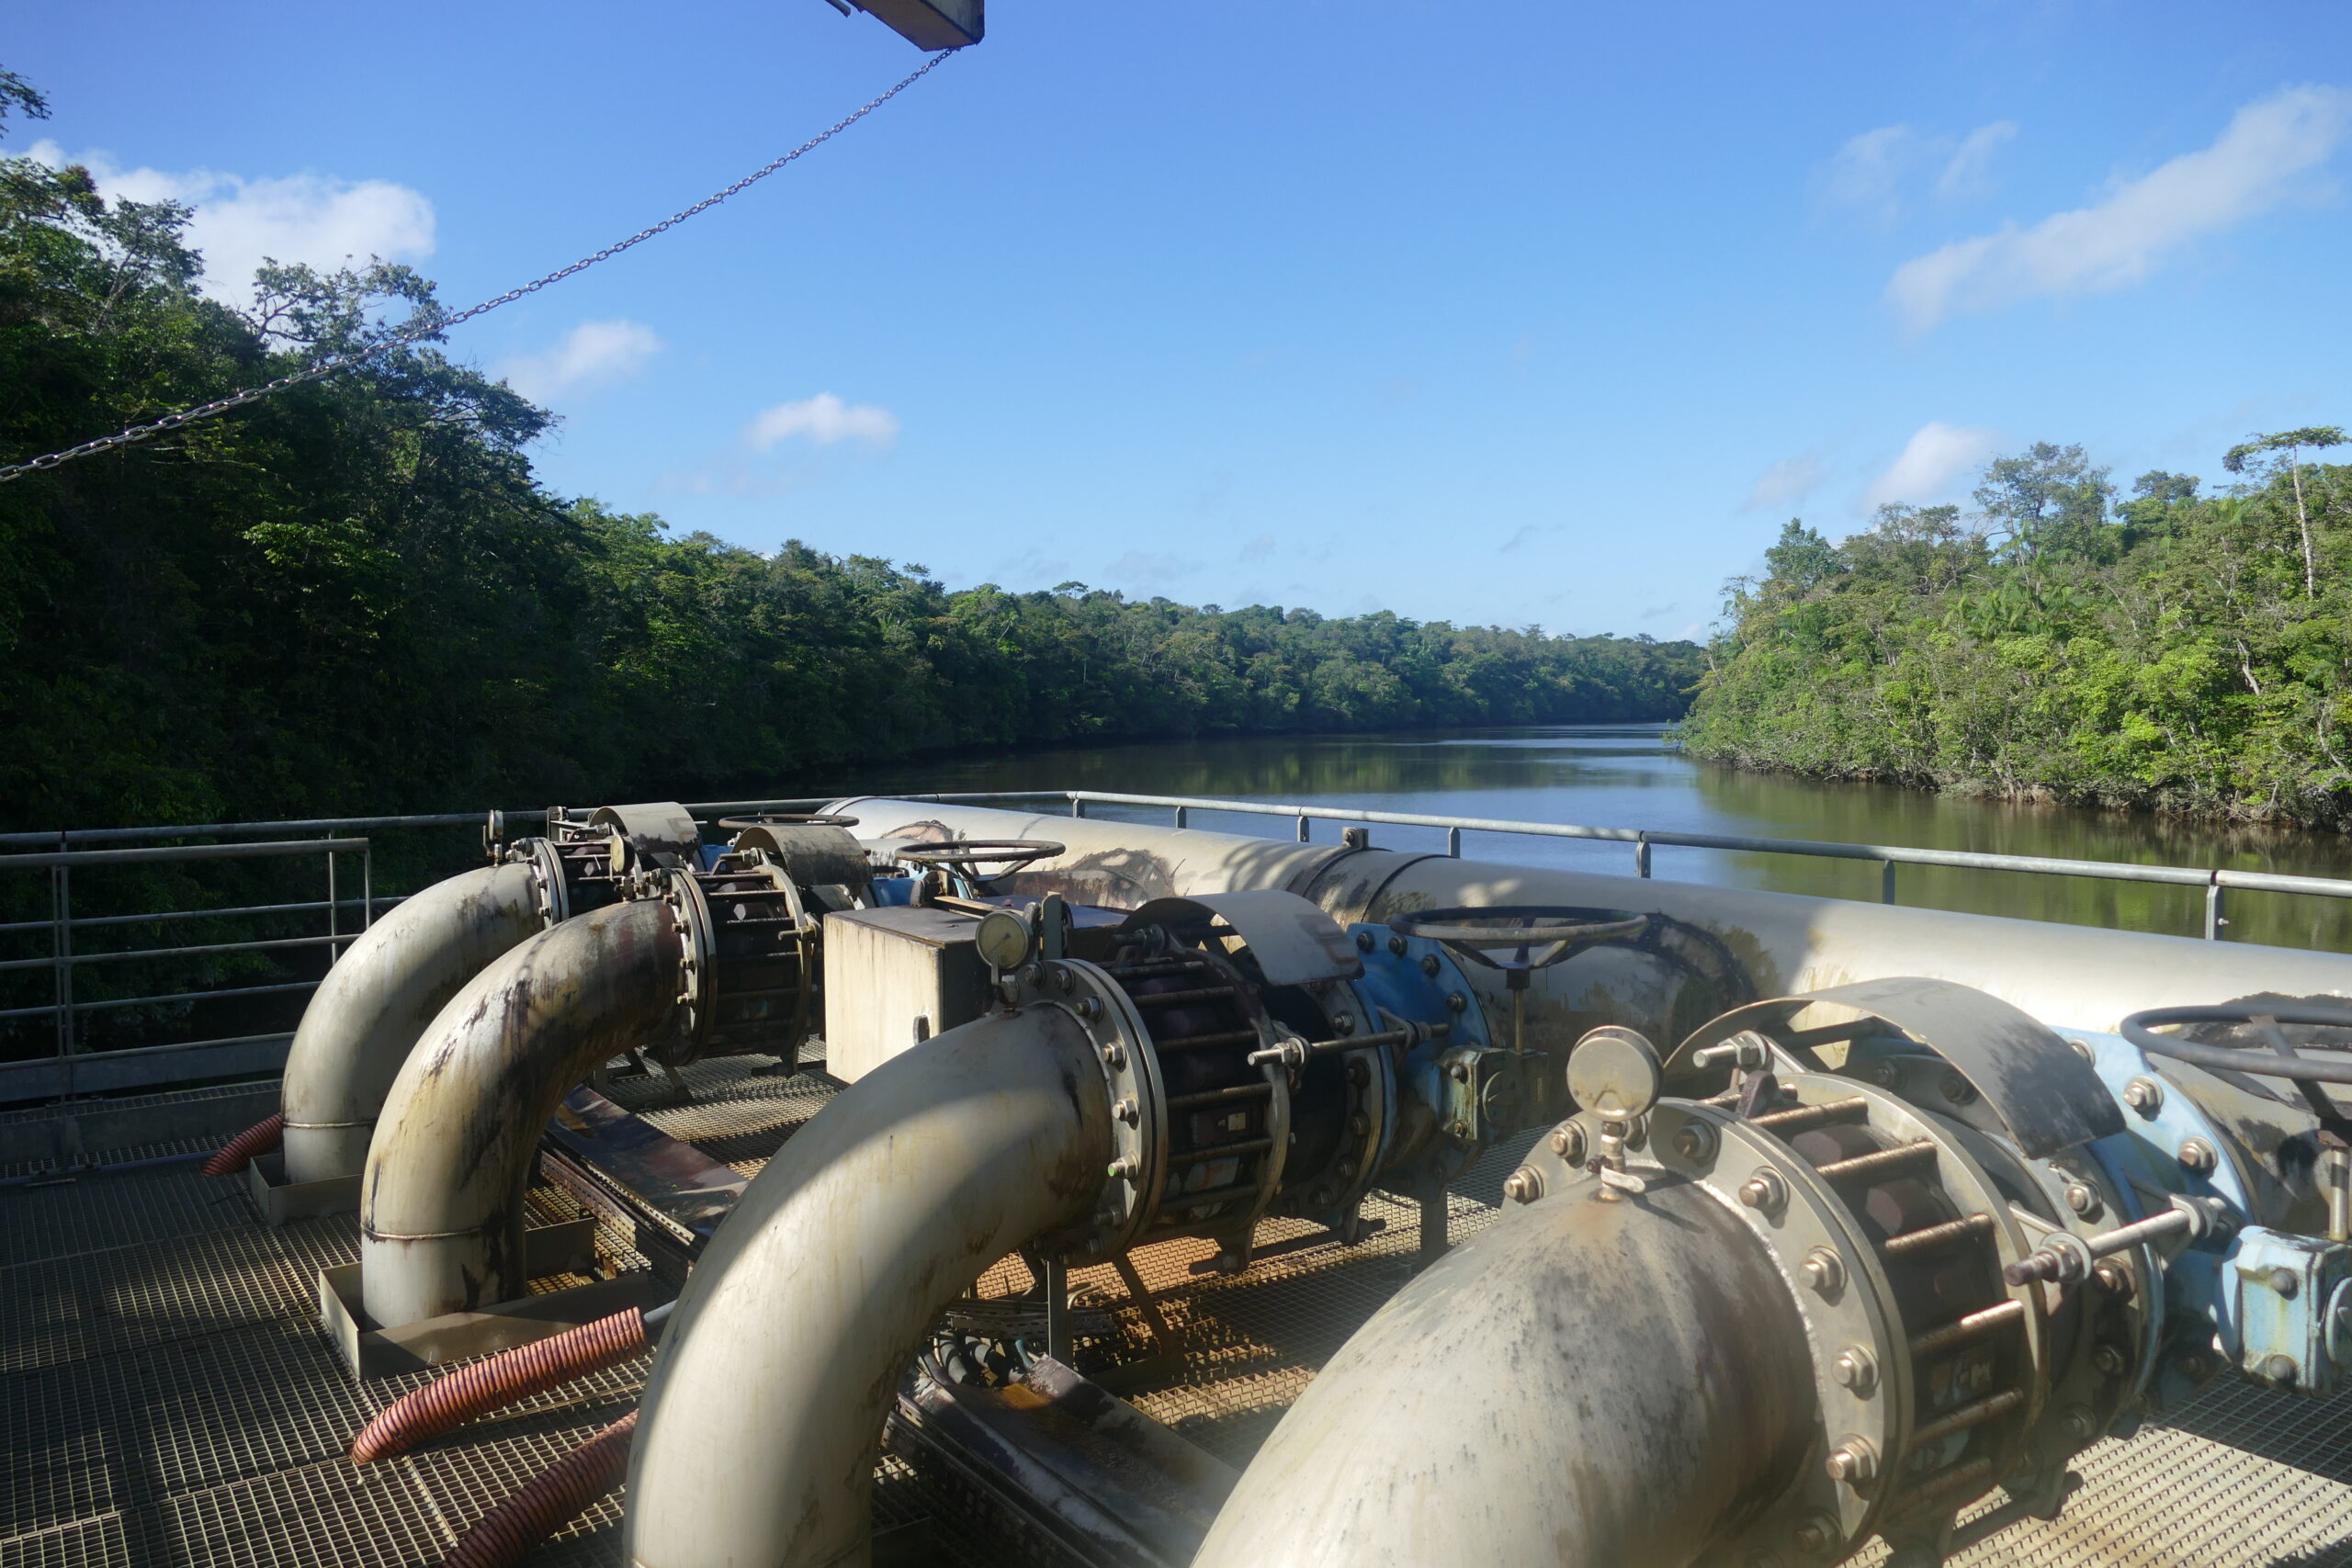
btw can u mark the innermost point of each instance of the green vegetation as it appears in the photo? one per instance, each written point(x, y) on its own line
point(354, 596)
point(2176, 652)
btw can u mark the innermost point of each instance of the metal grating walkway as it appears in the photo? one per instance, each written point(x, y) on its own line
point(166, 1397)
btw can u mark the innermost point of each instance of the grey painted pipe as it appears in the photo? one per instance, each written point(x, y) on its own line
point(1595, 1384)
point(760, 1427)
point(441, 1205)
point(367, 1014)
point(2068, 976)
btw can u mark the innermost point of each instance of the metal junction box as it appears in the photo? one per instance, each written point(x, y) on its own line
point(894, 978)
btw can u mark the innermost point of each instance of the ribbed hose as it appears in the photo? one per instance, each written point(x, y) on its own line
point(509, 1376)
point(549, 1501)
point(258, 1139)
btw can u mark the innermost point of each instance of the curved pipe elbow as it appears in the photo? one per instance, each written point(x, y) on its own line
point(1579, 1384)
point(368, 1012)
point(441, 1204)
point(766, 1413)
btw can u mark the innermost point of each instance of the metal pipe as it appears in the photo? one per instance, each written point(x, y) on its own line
point(1779, 944)
point(441, 1204)
point(765, 1414)
point(1580, 1384)
point(388, 986)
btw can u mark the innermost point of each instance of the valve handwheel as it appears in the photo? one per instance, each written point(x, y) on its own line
point(964, 855)
point(2285, 1061)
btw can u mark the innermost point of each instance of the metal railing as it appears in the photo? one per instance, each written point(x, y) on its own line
point(56, 1075)
point(2216, 883)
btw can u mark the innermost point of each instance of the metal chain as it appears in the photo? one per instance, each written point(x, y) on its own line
point(440, 324)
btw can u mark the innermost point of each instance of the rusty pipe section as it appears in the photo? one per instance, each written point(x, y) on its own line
point(441, 1204)
point(388, 985)
point(764, 1416)
point(1718, 946)
point(1594, 1380)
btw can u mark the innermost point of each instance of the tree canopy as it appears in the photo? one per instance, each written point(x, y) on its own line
point(356, 596)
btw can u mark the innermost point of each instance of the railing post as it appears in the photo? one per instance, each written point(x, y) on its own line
point(1641, 854)
point(60, 948)
point(2213, 917)
point(1077, 806)
point(1454, 843)
point(367, 887)
point(1182, 816)
point(1302, 826)
point(1886, 882)
point(333, 950)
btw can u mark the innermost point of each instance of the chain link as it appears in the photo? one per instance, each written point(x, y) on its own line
point(441, 324)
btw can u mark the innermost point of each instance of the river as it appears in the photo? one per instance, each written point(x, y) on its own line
point(1630, 776)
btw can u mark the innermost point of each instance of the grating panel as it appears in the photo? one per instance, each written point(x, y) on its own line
point(89, 1543)
point(333, 1513)
point(111, 1208)
point(470, 1472)
point(126, 1297)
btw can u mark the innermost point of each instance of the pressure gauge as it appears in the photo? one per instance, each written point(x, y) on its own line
point(1003, 939)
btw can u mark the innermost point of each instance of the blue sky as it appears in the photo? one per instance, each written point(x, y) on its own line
point(1516, 312)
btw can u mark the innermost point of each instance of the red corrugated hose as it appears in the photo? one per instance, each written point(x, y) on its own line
point(558, 1494)
point(257, 1139)
point(510, 1375)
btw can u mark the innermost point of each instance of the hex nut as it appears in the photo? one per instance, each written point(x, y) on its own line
point(2196, 1157)
point(1456, 1001)
point(2082, 1048)
point(1567, 1142)
point(1958, 1090)
point(1429, 965)
point(1824, 1270)
point(1765, 1191)
point(1856, 1371)
point(2115, 1279)
point(1127, 1111)
point(1853, 1462)
point(1818, 1536)
point(2110, 1361)
point(1695, 1141)
point(1364, 941)
point(1114, 1055)
point(1396, 946)
point(2144, 1095)
point(2083, 1200)
point(1524, 1185)
point(1090, 1007)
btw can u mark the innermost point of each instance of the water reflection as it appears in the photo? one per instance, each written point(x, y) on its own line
point(1628, 777)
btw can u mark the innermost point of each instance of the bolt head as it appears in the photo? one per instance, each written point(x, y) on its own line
point(1567, 1142)
point(2281, 1370)
point(1364, 941)
point(1855, 1370)
point(1430, 964)
point(2115, 1279)
point(1524, 1185)
point(2110, 1361)
point(1396, 946)
point(1114, 1054)
point(2082, 1048)
point(1823, 1269)
point(2144, 1095)
point(1694, 1141)
point(1764, 1191)
point(1957, 1089)
point(1456, 1001)
point(2196, 1157)
point(2284, 1282)
point(1817, 1536)
point(1459, 1072)
point(2194, 1366)
point(2082, 1200)
point(1852, 1461)
point(1127, 1111)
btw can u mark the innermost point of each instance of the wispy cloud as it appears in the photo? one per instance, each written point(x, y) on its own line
point(1875, 173)
point(591, 355)
point(1936, 455)
point(824, 419)
point(1785, 482)
point(2116, 243)
point(239, 222)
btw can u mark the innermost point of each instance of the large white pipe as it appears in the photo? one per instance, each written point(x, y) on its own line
point(760, 1427)
point(388, 985)
point(1590, 1382)
point(2068, 976)
point(441, 1205)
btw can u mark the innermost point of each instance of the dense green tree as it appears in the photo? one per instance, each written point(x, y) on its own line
point(2194, 652)
point(353, 595)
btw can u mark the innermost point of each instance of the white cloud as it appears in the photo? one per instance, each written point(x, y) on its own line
point(1867, 173)
point(823, 419)
point(238, 223)
point(1936, 455)
point(2119, 241)
point(591, 355)
point(1968, 172)
point(1790, 480)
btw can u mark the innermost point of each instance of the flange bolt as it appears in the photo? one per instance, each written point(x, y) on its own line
point(1823, 1270)
point(1127, 1111)
point(2144, 1095)
point(1524, 1185)
point(1818, 1536)
point(2083, 1200)
point(1856, 1371)
point(1764, 1191)
point(2115, 1279)
point(2198, 1158)
point(1695, 1141)
point(1852, 1461)
point(1127, 1167)
point(2110, 1361)
point(1567, 1142)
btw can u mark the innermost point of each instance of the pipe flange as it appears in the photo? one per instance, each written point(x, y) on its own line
point(697, 964)
point(1333, 1197)
point(548, 887)
point(1132, 1083)
point(1862, 1376)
